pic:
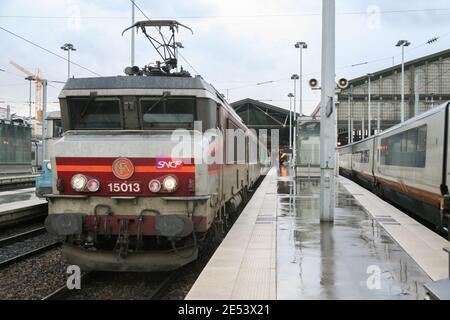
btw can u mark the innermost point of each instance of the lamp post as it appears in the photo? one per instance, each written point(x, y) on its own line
point(290, 96)
point(403, 44)
point(295, 77)
point(29, 78)
point(301, 46)
point(68, 47)
point(369, 106)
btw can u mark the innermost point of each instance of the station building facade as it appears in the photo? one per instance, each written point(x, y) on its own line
point(427, 85)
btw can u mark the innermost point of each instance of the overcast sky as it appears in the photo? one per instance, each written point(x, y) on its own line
point(236, 43)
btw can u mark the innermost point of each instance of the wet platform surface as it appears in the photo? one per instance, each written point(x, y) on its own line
point(279, 249)
point(17, 195)
point(354, 258)
point(20, 204)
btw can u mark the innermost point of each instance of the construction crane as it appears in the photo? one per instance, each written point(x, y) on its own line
point(38, 92)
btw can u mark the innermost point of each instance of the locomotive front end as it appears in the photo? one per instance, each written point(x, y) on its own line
point(121, 200)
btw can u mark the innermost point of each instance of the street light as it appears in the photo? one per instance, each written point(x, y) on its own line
point(29, 78)
point(290, 96)
point(403, 44)
point(301, 46)
point(68, 47)
point(295, 77)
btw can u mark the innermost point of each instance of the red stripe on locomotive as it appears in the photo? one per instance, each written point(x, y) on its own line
point(145, 170)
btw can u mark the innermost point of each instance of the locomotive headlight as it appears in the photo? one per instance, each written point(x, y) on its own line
point(93, 185)
point(78, 182)
point(170, 183)
point(49, 166)
point(154, 186)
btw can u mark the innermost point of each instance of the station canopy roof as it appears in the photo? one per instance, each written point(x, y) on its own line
point(260, 115)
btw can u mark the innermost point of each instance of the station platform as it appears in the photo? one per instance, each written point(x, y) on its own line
point(279, 249)
point(7, 180)
point(20, 205)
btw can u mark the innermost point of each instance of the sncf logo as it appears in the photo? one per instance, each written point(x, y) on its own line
point(123, 168)
point(168, 164)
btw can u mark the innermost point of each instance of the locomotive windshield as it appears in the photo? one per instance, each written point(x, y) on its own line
point(138, 113)
point(91, 113)
point(168, 113)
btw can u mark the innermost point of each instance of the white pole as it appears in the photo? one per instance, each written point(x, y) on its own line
point(290, 123)
point(44, 116)
point(402, 116)
point(301, 81)
point(327, 113)
point(349, 121)
point(29, 102)
point(294, 146)
point(417, 94)
point(132, 33)
point(351, 137)
point(369, 110)
point(379, 116)
point(68, 64)
point(363, 131)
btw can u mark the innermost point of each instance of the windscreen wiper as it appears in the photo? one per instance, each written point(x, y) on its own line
point(164, 97)
point(92, 98)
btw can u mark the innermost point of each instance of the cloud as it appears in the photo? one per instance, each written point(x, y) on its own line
point(235, 43)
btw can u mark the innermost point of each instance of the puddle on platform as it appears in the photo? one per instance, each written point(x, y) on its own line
point(354, 258)
point(17, 197)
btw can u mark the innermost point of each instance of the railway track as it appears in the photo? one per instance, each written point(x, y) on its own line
point(149, 286)
point(157, 293)
point(22, 236)
point(29, 254)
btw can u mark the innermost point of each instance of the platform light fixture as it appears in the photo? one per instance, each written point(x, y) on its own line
point(301, 46)
point(68, 47)
point(403, 44)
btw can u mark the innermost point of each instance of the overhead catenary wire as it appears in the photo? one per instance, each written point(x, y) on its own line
point(48, 51)
point(277, 15)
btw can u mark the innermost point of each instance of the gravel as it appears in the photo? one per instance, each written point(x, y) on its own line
point(25, 246)
point(34, 278)
point(118, 286)
point(13, 230)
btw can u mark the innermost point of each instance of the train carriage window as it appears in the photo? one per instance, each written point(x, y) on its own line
point(361, 156)
point(94, 113)
point(421, 147)
point(411, 142)
point(168, 113)
point(404, 141)
point(406, 149)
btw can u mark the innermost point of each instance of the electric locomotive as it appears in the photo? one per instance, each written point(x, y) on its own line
point(129, 191)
